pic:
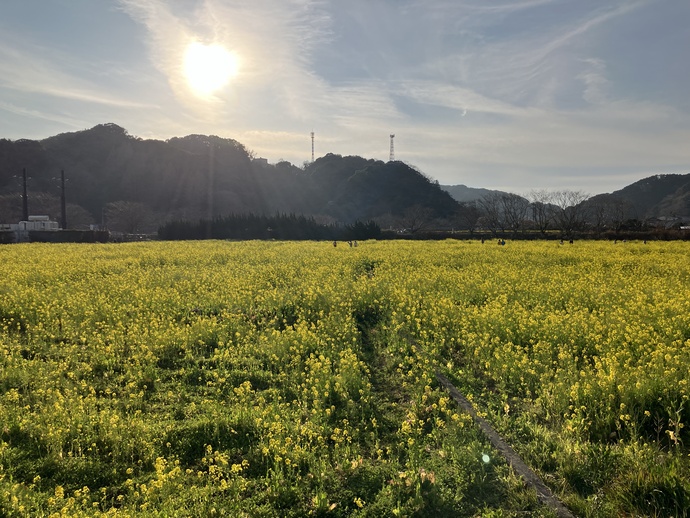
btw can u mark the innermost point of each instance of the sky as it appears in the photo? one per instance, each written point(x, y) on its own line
point(588, 95)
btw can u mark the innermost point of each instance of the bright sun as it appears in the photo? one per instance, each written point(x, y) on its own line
point(208, 68)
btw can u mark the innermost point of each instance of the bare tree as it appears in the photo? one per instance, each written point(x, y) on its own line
point(569, 212)
point(619, 211)
point(78, 217)
point(492, 212)
point(541, 208)
point(386, 221)
point(514, 209)
point(598, 213)
point(417, 218)
point(467, 216)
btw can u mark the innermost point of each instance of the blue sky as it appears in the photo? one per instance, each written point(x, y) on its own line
point(517, 95)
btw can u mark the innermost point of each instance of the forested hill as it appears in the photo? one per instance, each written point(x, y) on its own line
point(201, 176)
point(662, 195)
point(465, 194)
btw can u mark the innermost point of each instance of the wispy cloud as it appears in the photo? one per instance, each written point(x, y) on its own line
point(595, 81)
point(526, 66)
point(37, 73)
point(495, 90)
point(274, 39)
point(359, 104)
point(43, 115)
point(455, 97)
point(579, 29)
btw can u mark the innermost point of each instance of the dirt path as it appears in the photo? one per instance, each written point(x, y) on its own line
point(543, 492)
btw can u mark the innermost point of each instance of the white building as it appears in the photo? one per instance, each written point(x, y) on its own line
point(23, 228)
point(38, 223)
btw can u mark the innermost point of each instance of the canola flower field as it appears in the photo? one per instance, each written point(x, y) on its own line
point(295, 379)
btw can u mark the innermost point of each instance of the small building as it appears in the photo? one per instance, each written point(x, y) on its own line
point(38, 223)
point(22, 229)
point(42, 229)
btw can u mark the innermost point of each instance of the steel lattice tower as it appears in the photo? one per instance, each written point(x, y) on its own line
point(392, 155)
point(312, 146)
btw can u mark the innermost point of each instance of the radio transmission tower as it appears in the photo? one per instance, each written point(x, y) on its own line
point(312, 146)
point(392, 155)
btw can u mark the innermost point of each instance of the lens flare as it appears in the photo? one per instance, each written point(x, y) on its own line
point(208, 68)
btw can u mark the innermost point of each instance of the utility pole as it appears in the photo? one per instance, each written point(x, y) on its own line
point(63, 202)
point(25, 198)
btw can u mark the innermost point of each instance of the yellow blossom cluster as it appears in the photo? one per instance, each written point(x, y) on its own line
point(214, 377)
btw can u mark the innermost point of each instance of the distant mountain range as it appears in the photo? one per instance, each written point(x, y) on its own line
point(465, 194)
point(658, 196)
point(110, 172)
point(113, 175)
point(655, 197)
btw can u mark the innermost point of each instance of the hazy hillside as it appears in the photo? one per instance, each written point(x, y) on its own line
point(105, 164)
point(659, 195)
point(652, 197)
point(464, 194)
point(678, 203)
point(110, 171)
point(135, 185)
point(370, 188)
point(666, 195)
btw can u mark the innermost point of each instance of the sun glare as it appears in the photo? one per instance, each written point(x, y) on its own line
point(208, 68)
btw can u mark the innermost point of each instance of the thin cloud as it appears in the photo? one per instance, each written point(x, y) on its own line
point(362, 102)
point(595, 81)
point(455, 97)
point(508, 7)
point(472, 10)
point(46, 116)
point(588, 24)
point(515, 68)
point(273, 39)
point(26, 72)
point(481, 89)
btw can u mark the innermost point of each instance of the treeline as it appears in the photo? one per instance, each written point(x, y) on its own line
point(281, 226)
point(567, 213)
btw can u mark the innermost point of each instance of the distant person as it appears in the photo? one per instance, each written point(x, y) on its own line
point(335, 243)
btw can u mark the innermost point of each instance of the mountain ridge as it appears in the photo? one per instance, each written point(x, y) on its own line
point(206, 176)
point(652, 197)
point(198, 176)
